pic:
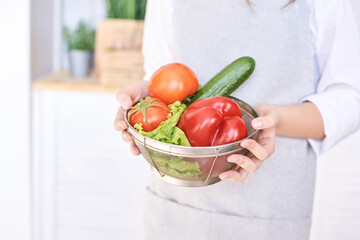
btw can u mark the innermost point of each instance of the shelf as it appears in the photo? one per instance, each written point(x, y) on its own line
point(65, 82)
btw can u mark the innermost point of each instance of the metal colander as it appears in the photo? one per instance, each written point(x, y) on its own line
point(192, 166)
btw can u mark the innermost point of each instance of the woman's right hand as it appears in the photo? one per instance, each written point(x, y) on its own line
point(127, 97)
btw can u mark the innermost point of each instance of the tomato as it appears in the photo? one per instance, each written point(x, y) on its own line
point(173, 82)
point(212, 122)
point(155, 110)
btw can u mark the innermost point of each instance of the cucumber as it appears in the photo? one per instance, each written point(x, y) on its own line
point(226, 81)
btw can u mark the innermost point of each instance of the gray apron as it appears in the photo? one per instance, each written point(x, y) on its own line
point(276, 201)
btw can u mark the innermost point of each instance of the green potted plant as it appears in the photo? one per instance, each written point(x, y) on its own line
point(118, 42)
point(126, 9)
point(80, 44)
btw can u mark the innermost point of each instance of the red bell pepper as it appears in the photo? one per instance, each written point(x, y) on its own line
point(212, 122)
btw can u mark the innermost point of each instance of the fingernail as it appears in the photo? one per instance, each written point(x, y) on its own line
point(244, 144)
point(124, 104)
point(256, 123)
point(122, 125)
point(222, 176)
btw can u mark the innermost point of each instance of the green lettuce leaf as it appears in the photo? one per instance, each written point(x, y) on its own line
point(175, 166)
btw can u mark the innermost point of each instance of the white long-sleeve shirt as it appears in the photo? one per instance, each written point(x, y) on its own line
point(336, 42)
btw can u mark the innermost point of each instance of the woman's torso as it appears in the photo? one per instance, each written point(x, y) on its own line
point(208, 35)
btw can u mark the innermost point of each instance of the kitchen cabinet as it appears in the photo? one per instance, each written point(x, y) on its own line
point(87, 184)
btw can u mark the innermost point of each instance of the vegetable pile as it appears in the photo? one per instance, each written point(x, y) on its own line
point(177, 112)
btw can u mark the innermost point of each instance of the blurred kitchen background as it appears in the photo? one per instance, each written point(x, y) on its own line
point(65, 174)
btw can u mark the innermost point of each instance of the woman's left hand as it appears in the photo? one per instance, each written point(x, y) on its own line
point(259, 150)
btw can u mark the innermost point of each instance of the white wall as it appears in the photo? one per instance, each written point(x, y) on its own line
point(15, 181)
point(356, 4)
point(92, 11)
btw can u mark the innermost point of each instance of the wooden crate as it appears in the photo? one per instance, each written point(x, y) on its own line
point(118, 57)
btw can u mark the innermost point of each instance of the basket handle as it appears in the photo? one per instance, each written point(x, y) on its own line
point(212, 166)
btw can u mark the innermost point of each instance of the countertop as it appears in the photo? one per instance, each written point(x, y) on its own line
point(64, 81)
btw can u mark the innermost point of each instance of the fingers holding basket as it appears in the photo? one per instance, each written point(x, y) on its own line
point(119, 123)
point(128, 138)
point(259, 151)
point(235, 175)
point(244, 162)
point(125, 102)
point(126, 99)
point(134, 149)
point(244, 166)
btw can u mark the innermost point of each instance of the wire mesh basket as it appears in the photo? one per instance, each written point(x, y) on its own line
point(192, 166)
